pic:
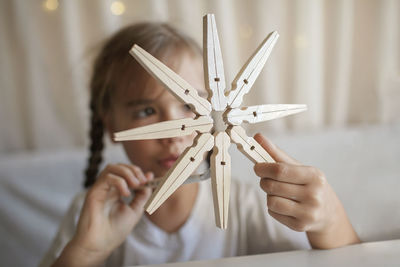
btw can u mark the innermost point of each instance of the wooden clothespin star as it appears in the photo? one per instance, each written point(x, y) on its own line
point(226, 106)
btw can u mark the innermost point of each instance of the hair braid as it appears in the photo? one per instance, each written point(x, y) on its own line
point(96, 146)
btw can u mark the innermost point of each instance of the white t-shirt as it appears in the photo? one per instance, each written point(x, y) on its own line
point(251, 230)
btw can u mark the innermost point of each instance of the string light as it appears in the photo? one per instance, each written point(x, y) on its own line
point(117, 8)
point(50, 5)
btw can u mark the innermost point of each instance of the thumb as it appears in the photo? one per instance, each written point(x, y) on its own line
point(275, 152)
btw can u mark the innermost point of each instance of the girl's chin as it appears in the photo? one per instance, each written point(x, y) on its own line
point(161, 171)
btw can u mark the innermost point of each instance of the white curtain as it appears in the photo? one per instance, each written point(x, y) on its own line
point(339, 57)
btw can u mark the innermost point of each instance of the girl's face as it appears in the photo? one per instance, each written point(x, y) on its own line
point(155, 105)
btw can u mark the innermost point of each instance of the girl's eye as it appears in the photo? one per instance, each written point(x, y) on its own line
point(145, 112)
point(187, 107)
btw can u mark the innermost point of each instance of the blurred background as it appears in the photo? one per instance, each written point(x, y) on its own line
point(341, 58)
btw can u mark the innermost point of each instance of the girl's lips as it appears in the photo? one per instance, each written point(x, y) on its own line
point(168, 162)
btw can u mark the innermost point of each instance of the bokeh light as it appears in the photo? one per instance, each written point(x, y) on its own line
point(50, 5)
point(117, 8)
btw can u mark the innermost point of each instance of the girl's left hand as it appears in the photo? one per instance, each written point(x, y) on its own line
point(301, 198)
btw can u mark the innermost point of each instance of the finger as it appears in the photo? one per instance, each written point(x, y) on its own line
point(283, 206)
point(149, 176)
point(125, 173)
point(137, 171)
point(287, 190)
point(275, 152)
point(141, 196)
point(285, 172)
point(114, 181)
point(290, 222)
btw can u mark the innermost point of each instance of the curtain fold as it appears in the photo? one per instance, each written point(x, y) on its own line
point(341, 58)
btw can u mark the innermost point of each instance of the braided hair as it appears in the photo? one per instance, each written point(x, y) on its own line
point(96, 147)
point(114, 69)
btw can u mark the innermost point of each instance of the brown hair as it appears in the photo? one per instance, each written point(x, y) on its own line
point(114, 69)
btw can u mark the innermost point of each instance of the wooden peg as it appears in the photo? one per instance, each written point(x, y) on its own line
point(181, 170)
point(172, 81)
point(246, 77)
point(167, 129)
point(221, 178)
point(213, 65)
point(254, 114)
point(248, 145)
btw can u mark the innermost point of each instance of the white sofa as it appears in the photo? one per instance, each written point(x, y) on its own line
point(362, 164)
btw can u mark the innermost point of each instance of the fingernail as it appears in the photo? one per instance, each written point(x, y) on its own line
point(267, 142)
point(264, 141)
point(270, 144)
point(150, 175)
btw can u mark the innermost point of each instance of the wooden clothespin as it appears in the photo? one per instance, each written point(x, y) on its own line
point(255, 114)
point(180, 171)
point(167, 129)
point(221, 178)
point(213, 65)
point(246, 77)
point(172, 81)
point(248, 145)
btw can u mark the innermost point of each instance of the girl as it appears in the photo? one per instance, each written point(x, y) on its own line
point(112, 232)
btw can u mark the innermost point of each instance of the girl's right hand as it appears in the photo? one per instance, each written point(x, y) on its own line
point(106, 220)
